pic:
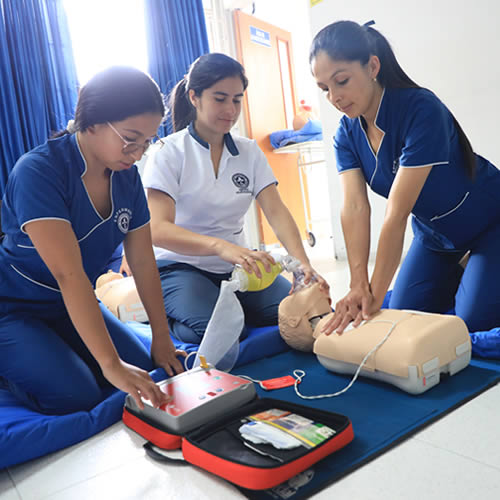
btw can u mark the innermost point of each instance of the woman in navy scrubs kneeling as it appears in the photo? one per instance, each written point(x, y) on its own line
point(404, 143)
point(68, 204)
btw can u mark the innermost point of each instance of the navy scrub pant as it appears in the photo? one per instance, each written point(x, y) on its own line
point(434, 282)
point(44, 362)
point(190, 295)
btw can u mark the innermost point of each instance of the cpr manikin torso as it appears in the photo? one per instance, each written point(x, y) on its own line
point(119, 295)
point(419, 347)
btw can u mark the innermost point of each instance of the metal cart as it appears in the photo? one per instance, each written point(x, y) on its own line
point(306, 150)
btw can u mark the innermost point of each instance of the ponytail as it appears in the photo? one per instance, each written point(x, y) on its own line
point(71, 128)
point(181, 109)
point(391, 74)
point(467, 151)
point(59, 133)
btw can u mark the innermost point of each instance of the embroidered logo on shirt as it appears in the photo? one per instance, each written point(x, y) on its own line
point(242, 182)
point(122, 218)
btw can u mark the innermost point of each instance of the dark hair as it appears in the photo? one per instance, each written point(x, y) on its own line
point(206, 71)
point(116, 94)
point(349, 41)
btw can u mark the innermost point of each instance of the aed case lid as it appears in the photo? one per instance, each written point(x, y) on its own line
point(198, 395)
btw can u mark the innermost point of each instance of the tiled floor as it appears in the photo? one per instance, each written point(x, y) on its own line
point(456, 458)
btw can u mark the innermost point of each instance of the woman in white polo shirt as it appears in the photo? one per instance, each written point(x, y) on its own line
point(200, 185)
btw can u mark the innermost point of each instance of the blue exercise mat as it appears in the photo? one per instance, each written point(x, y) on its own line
point(26, 434)
point(381, 414)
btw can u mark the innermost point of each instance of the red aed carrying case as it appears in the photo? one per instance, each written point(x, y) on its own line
point(218, 446)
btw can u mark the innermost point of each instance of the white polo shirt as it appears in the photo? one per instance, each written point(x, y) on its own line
point(204, 203)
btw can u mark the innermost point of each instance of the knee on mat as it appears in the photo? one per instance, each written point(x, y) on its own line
point(440, 306)
point(83, 400)
point(185, 333)
point(66, 401)
point(477, 322)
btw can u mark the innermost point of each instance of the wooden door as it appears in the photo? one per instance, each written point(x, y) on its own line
point(270, 104)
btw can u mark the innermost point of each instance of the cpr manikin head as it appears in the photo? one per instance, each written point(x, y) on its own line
point(299, 313)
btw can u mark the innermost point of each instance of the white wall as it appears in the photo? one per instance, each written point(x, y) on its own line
point(449, 46)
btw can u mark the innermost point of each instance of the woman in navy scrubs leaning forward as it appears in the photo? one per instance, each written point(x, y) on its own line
point(68, 204)
point(404, 143)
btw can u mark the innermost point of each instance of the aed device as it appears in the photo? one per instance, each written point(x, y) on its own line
point(199, 395)
point(204, 418)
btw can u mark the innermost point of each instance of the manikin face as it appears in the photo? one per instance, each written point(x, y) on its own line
point(106, 144)
point(349, 86)
point(298, 314)
point(218, 107)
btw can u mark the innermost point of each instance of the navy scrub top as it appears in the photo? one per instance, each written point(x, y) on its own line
point(452, 210)
point(46, 183)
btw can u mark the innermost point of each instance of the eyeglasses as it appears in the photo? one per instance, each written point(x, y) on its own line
point(131, 147)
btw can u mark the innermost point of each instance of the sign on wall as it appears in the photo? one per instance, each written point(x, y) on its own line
point(260, 36)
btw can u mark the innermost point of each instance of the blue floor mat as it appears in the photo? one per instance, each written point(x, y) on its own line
point(25, 434)
point(381, 414)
